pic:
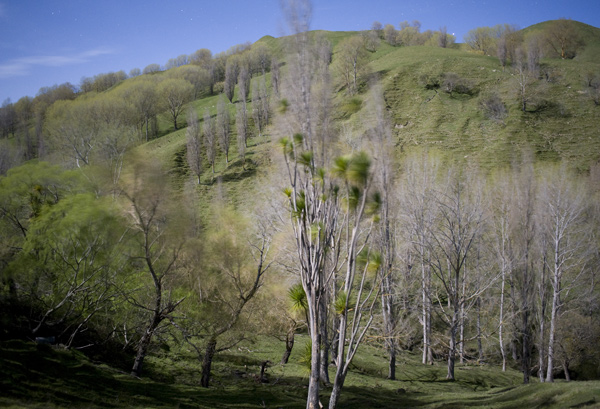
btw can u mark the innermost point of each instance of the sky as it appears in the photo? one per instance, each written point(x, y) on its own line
point(43, 43)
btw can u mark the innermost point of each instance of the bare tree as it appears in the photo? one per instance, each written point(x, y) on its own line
point(241, 122)
point(418, 213)
point(351, 61)
point(260, 106)
point(525, 231)
point(155, 249)
point(232, 71)
point(564, 215)
point(194, 144)
point(210, 139)
point(501, 230)
point(223, 127)
point(381, 138)
point(452, 239)
point(275, 75)
point(443, 37)
point(244, 84)
point(525, 81)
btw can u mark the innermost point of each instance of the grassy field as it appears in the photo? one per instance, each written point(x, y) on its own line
point(39, 376)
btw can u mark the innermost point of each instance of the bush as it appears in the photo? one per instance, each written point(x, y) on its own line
point(493, 107)
point(452, 82)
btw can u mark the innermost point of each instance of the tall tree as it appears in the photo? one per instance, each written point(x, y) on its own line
point(418, 213)
point(194, 144)
point(351, 61)
point(563, 38)
point(144, 98)
point(563, 220)
point(175, 93)
point(381, 137)
point(223, 127)
point(156, 251)
point(453, 238)
point(241, 122)
point(210, 139)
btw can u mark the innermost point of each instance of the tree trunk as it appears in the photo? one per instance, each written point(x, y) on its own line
point(526, 358)
point(207, 362)
point(551, 336)
point(389, 323)
point(324, 348)
point(289, 345)
point(452, 349)
point(501, 325)
point(392, 365)
point(141, 354)
point(566, 369)
point(145, 343)
point(479, 346)
point(312, 401)
point(337, 388)
point(424, 300)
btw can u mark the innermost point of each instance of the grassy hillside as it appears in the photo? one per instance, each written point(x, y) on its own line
point(41, 377)
point(560, 123)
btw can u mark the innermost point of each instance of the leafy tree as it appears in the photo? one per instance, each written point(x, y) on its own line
point(235, 260)
point(203, 58)
point(8, 119)
point(197, 76)
point(178, 61)
point(481, 39)
point(409, 34)
point(390, 35)
point(261, 57)
point(151, 68)
point(24, 192)
point(563, 39)
point(351, 61)
point(73, 258)
point(175, 93)
point(143, 96)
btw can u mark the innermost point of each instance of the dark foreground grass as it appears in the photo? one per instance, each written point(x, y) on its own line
point(39, 376)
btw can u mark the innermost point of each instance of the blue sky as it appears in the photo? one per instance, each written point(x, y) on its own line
point(49, 42)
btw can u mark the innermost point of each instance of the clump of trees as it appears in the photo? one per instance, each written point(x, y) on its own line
point(558, 38)
point(408, 34)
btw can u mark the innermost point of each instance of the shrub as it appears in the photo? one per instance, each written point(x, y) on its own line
point(493, 107)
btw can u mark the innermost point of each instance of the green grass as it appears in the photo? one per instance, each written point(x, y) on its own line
point(42, 377)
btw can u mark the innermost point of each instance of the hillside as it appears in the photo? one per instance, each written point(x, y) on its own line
point(126, 236)
point(561, 122)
